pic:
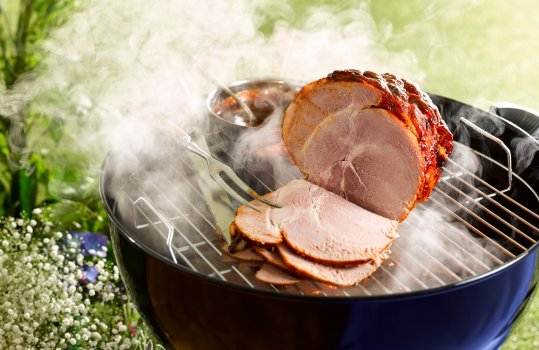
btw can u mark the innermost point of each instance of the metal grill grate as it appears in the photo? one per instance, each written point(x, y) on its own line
point(482, 228)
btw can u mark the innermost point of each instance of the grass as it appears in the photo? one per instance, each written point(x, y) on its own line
point(525, 335)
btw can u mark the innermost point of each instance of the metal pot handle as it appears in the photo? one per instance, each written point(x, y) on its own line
point(524, 119)
point(163, 220)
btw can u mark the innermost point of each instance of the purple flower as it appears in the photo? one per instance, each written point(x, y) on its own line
point(90, 243)
point(89, 274)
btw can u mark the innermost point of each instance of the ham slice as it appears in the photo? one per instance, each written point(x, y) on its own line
point(248, 254)
point(271, 274)
point(256, 226)
point(272, 257)
point(342, 276)
point(318, 224)
point(376, 140)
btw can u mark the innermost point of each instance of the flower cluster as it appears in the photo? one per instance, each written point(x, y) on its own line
point(55, 295)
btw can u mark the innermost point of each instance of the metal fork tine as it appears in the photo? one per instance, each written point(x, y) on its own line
point(215, 167)
point(268, 202)
point(239, 182)
point(233, 193)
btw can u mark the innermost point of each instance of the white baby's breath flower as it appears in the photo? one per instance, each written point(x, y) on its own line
point(47, 299)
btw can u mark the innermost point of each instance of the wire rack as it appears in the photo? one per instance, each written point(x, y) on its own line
point(467, 228)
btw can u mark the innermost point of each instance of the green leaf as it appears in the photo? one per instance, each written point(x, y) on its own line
point(27, 191)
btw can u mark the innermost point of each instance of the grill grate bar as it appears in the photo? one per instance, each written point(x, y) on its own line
point(374, 279)
point(440, 264)
point(470, 241)
point(409, 273)
point(319, 288)
point(483, 221)
point(187, 240)
point(489, 186)
point(190, 222)
point(189, 202)
point(386, 271)
point(179, 251)
point(243, 277)
point(453, 258)
point(522, 234)
point(158, 222)
point(496, 203)
point(428, 272)
point(473, 228)
point(358, 289)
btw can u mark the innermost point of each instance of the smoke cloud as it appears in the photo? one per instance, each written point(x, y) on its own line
point(117, 67)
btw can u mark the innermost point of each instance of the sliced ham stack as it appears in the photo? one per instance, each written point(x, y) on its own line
point(376, 140)
point(316, 234)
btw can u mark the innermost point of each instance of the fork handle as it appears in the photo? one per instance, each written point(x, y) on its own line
point(194, 148)
point(183, 138)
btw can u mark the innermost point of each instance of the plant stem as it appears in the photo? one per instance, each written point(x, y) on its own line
point(21, 39)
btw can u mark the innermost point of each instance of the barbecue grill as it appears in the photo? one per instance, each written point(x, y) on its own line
point(459, 275)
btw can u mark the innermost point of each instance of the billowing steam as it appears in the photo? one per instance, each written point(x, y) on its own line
point(118, 66)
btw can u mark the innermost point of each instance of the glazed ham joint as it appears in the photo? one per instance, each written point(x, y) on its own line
point(370, 148)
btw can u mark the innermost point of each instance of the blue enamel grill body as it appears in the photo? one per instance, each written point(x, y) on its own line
point(189, 310)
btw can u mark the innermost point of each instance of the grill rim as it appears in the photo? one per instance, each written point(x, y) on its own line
point(470, 281)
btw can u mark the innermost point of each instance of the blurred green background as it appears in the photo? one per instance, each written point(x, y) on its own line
point(474, 51)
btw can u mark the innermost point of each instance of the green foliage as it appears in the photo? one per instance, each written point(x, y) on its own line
point(38, 163)
point(23, 24)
